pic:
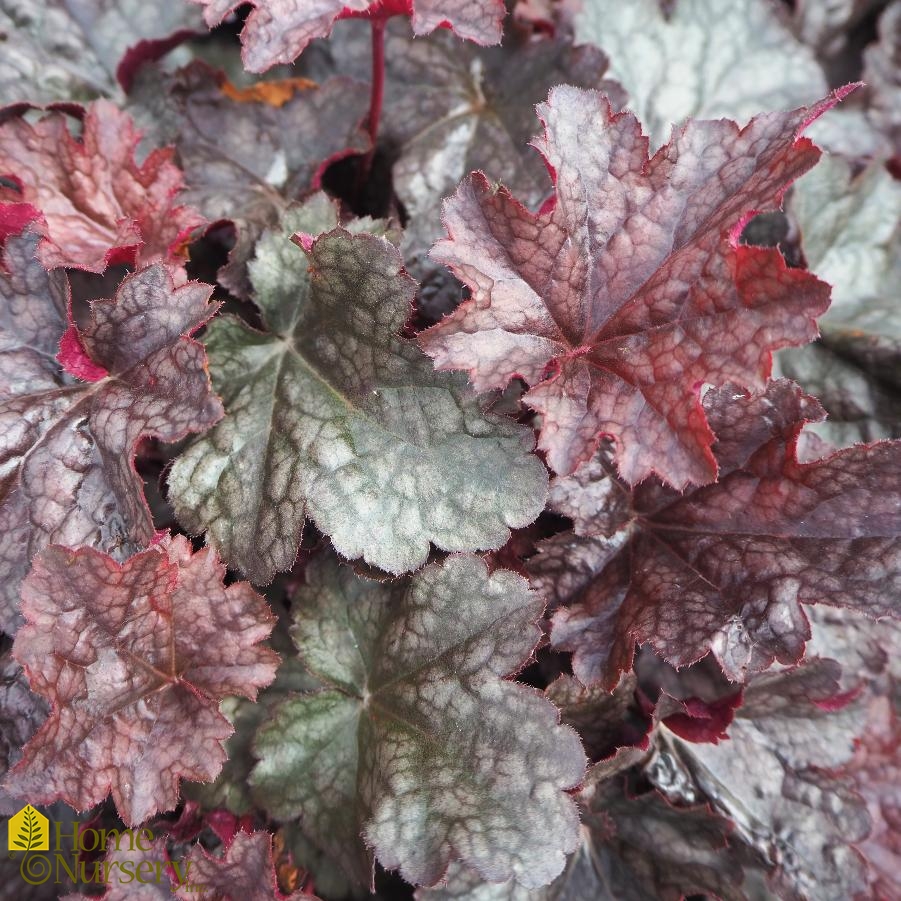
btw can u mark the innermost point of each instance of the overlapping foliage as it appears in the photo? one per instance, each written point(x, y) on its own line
point(570, 469)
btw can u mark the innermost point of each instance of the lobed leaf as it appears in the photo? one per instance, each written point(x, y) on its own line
point(728, 567)
point(99, 207)
point(333, 416)
point(67, 455)
point(628, 291)
point(134, 659)
point(278, 31)
point(418, 744)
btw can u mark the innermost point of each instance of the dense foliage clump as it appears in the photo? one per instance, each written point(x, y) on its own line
point(451, 449)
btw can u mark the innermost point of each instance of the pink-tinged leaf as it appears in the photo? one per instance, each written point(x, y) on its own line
point(875, 771)
point(244, 872)
point(14, 217)
point(68, 448)
point(277, 31)
point(99, 206)
point(134, 659)
point(727, 568)
point(629, 290)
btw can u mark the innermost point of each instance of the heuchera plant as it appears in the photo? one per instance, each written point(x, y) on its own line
point(452, 449)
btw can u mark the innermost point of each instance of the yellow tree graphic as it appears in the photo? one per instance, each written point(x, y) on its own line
point(28, 831)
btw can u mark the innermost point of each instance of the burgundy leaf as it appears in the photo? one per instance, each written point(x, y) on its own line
point(99, 206)
point(629, 290)
point(697, 720)
point(727, 568)
point(277, 31)
point(606, 721)
point(245, 872)
point(66, 458)
point(134, 659)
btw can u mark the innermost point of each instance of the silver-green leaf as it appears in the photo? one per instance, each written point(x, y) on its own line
point(851, 237)
point(419, 751)
point(332, 415)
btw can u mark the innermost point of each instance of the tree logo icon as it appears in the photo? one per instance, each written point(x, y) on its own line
point(29, 830)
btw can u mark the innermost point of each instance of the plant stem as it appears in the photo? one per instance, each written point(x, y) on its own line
point(378, 77)
point(378, 91)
